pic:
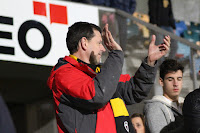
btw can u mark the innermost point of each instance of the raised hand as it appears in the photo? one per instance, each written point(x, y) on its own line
point(156, 52)
point(108, 40)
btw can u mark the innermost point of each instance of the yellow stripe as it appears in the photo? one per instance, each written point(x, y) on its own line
point(119, 108)
point(73, 56)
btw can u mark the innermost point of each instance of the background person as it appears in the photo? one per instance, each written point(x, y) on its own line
point(163, 109)
point(138, 122)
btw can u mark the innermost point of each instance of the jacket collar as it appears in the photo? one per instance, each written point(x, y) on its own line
point(82, 66)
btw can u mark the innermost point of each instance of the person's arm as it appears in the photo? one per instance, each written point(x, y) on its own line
point(135, 89)
point(155, 118)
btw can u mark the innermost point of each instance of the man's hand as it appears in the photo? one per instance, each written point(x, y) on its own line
point(156, 52)
point(108, 40)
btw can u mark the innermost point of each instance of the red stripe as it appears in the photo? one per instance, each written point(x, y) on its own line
point(39, 8)
point(58, 14)
point(59, 124)
point(105, 120)
point(124, 78)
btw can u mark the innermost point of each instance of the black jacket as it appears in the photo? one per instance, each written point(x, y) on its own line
point(160, 13)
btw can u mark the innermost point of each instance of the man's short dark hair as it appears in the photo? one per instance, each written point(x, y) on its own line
point(77, 31)
point(170, 65)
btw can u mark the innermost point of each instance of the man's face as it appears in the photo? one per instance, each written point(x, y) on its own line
point(96, 48)
point(172, 85)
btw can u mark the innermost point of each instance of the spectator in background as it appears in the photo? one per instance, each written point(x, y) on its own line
point(161, 15)
point(6, 122)
point(162, 110)
point(138, 122)
point(124, 5)
point(190, 123)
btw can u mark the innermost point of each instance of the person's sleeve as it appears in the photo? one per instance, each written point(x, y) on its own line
point(135, 89)
point(92, 93)
point(155, 118)
point(153, 6)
